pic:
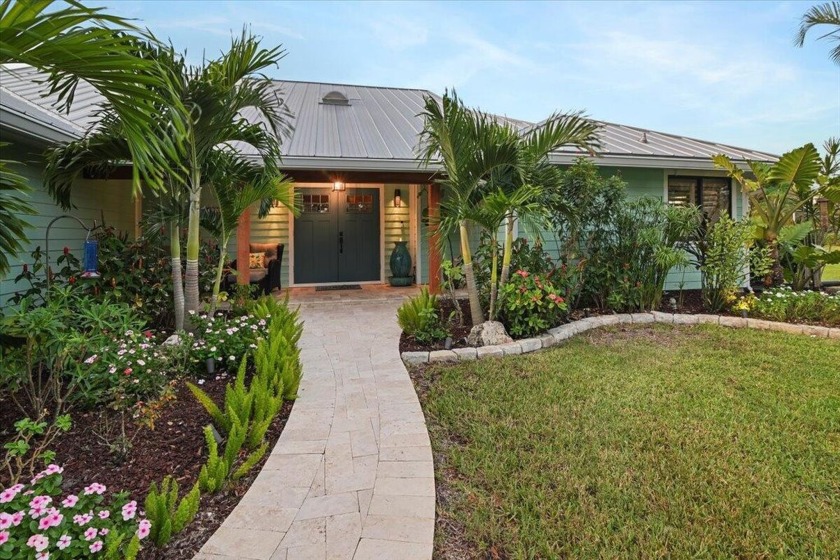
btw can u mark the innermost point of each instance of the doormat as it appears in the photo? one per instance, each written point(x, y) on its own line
point(338, 287)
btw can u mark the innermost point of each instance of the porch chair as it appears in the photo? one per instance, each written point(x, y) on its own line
point(263, 267)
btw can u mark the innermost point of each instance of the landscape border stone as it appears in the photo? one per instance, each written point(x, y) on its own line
point(556, 335)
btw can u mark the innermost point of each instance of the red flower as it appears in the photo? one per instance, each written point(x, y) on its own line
point(25, 268)
point(72, 279)
point(147, 334)
point(66, 250)
point(127, 371)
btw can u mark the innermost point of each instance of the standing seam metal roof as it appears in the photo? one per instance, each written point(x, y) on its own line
point(379, 123)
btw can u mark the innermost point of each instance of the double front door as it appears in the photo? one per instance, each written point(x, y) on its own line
point(337, 236)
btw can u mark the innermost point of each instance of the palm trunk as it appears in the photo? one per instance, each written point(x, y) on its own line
point(177, 279)
point(217, 283)
point(494, 285)
point(191, 277)
point(472, 288)
point(508, 254)
point(776, 275)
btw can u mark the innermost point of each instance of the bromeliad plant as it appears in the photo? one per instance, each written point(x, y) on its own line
point(419, 318)
point(35, 522)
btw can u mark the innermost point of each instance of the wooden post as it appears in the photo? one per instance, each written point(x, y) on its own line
point(243, 249)
point(434, 239)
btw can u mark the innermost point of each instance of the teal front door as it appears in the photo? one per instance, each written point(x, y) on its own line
point(337, 236)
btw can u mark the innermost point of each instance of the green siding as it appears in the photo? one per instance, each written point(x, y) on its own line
point(273, 228)
point(93, 200)
point(397, 224)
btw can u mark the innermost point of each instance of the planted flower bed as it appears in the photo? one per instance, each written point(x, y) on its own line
point(115, 409)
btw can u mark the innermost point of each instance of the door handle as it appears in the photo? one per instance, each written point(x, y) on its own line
point(340, 242)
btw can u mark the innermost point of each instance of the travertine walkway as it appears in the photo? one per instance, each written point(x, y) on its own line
point(352, 475)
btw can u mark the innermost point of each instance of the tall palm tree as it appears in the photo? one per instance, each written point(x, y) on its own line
point(468, 146)
point(822, 14)
point(72, 44)
point(237, 185)
point(215, 96)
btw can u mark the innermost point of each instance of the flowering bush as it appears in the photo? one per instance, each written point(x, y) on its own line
point(35, 522)
point(530, 305)
point(784, 304)
point(128, 370)
point(225, 338)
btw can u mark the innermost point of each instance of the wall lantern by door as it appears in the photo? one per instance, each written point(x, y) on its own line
point(339, 186)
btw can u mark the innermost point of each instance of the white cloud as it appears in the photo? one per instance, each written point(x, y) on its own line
point(396, 32)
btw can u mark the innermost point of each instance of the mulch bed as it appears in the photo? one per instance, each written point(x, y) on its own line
point(174, 447)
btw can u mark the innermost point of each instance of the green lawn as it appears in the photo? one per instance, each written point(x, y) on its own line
point(647, 442)
point(832, 271)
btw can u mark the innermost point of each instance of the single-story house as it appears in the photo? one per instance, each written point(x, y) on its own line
point(353, 154)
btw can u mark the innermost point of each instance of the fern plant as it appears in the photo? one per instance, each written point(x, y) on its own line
point(168, 515)
point(418, 317)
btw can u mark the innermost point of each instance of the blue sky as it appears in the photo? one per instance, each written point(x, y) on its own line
point(722, 71)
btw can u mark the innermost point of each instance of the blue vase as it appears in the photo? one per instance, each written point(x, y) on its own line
point(400, 264)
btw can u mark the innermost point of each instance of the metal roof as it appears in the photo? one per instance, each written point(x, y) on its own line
point(378, 128)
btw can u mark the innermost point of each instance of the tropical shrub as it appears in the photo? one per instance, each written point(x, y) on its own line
point(784, 304)
point(35, 522)
point(419, 318)
point(225, 338)
point(727, 261)
point(169, 515)
point(530, 305)
point(30, 445)
point(524, 256)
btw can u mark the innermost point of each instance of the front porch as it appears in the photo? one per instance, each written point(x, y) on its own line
point(348, 228)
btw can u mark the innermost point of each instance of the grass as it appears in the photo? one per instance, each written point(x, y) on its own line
point(645, 442)
point(832, 271)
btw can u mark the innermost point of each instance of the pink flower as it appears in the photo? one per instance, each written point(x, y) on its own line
point(38, 542)
point(128, 510)
point(40, 501)
point(523, 273)
point(70, 501)
point(42, 556)
point(103, 531)
point(64, 542)
point(4, 537)
point(5, 520)
point(53, 519)
point(91, 533)
point(104, 514)
point(144, 529)
point(82, 520)
point(7, 495)
point(17, 518)
point(94, 488)
point(96, 547)
point(53, 469)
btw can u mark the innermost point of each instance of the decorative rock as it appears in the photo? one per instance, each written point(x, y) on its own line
point(708, 319)
point(173, 340)
point(489, 352)
point(465, 354)
point(737, 322)
point(511, 348)
point(415, 358)
point(488, 333)
point(641, 318)
point(660, 317)
point(442, 356)
point(606, 320)
point(548, 340)
point(624, 318)
point(684, 319)
point(563, 332)
point(530, 344)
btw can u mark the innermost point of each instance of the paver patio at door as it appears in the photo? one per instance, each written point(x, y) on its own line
point(351, 476)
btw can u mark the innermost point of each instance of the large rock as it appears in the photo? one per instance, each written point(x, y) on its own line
point(488, 333)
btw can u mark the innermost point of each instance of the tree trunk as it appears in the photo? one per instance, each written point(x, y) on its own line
point(217, 283)
point(776, 276)
point(494, 284)
point(177, 280)
point(476, 312)
point(193, 241)
point(508, 254)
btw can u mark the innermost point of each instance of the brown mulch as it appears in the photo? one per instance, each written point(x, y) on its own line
point(458, 333)
point(174, 447)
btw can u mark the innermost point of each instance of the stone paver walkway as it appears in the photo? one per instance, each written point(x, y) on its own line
point(351, 476)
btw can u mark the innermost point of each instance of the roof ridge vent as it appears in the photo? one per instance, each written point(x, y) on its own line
point(335, 98)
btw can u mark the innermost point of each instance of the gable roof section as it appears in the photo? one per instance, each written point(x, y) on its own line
point(378, 129)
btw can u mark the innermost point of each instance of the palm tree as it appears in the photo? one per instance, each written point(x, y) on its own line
point(72, 44)
point(238, 184)
point(822, 14)
point(215, 95)
point(468, 146)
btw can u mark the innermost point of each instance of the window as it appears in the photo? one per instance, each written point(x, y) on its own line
point(711, 194)
point(359, 204)
point(316, 203)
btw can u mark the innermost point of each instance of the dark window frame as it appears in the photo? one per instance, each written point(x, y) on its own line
point(698, 190)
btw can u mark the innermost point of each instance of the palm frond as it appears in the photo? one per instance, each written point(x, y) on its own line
point(822, 14)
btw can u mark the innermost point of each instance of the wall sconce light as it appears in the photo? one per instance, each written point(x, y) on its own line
point(397, 198)
point(339, 186)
